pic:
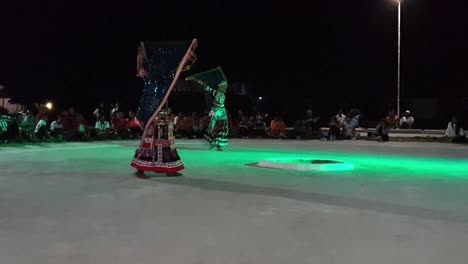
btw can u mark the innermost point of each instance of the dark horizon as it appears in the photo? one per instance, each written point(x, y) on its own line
point(328, 54)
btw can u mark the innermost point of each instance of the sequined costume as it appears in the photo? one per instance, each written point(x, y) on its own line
point(215, 84)
point(157, 152)
point(160, 65)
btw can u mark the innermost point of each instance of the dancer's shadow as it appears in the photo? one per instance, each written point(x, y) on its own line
point(159, 176)
point(192, 148)
point(329, 199)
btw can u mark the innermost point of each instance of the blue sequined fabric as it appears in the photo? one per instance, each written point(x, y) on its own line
point(162, 59)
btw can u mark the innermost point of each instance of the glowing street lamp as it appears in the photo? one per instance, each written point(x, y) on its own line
point(49, 105)
point(399, 57)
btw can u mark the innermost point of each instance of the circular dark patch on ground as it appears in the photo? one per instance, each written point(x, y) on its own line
point(303, 164)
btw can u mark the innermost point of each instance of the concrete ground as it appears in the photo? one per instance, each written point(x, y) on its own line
point(79, 203)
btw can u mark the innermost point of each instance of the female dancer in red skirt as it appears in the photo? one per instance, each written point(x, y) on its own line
point(159, 65)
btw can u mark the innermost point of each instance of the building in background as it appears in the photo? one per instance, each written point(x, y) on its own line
point(6, 103)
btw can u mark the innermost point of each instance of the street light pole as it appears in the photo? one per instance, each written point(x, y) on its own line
point(399, 58)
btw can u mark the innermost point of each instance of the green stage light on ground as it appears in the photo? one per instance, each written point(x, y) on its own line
point(305, 164)
point(364, 164)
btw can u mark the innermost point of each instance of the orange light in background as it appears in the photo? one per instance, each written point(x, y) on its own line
point(49, 105)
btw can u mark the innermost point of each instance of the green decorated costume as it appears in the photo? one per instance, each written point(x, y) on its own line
point(215, 85)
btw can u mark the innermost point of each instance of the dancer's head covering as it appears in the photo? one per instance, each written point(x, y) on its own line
point(159, 64)
point(213, 78)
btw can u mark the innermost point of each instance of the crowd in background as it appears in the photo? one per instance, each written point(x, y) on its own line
point(113, 123)
point(70, 125)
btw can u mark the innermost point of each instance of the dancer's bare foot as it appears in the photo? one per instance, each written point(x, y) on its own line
point(141, 175)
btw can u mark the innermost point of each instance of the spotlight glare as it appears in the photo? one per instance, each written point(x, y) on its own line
point(49, 105)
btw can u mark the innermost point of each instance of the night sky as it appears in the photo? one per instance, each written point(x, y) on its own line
point(325, 54)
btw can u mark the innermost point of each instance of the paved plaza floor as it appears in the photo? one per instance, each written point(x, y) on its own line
point(80, 203)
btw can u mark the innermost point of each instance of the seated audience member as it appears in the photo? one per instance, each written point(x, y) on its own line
point(56, 129)
point(252, 121)
point(236, 123)
point(381, 133)
point(135, 130)
point(196, 128)
point(231, 128)
point(204, 122)
point(28, 127)
point(83, 127)
point(340, 117)
point(349, 128)
point(102, 128)
point(311, 121)
point(333, 128)
point(120, 125)
point(113, 119)
point(70, 123)
point(392, 119)
point(259, 127)
point(13, 133)
point(171, 115)
point(178, 119)
point(240, 114)
point(115, 109)
point(185, 126)
point(30, 120)
point(178, 123)
point(308, 128)
point(406, 121)
point(309, 116)
point(99, 112)
point(244, 127)
point(277, 128)
point(41, 132)
point(455, 131)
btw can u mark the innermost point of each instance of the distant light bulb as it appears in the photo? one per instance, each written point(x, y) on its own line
point(49, 105)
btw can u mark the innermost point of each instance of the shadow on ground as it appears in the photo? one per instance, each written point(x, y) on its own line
point(328, 199)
